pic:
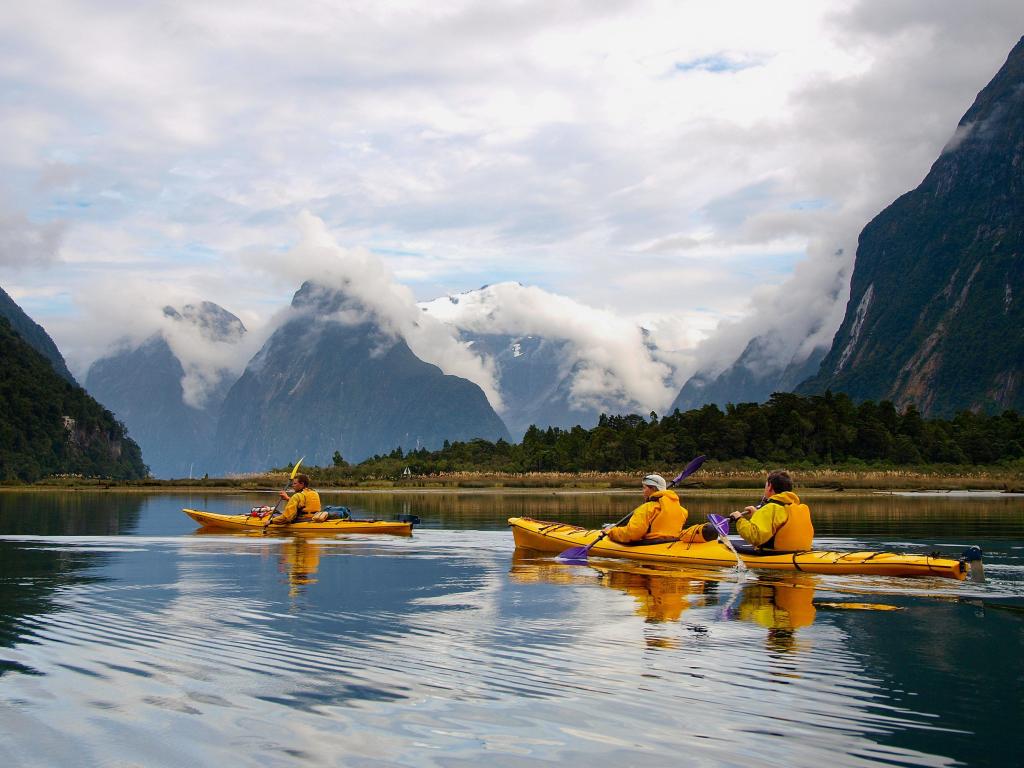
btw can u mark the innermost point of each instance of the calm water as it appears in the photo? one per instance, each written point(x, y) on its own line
point(129, 638)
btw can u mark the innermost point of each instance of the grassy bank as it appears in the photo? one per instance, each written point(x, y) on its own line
point(714, 475)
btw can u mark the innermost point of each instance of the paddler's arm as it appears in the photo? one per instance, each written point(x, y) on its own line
point(636, 528)
point(758, 530)
point(290, 512)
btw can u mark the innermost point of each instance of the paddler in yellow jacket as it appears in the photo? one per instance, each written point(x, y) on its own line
point(302, 501)
point(659, 518)
point(780, 522)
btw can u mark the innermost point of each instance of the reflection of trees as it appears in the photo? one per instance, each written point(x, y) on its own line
point(835, 514)
point(31, 573)
point(29, 576)
point(75, 513)
point(490, 509)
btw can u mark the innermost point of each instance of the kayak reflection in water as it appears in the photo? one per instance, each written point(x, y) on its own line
point(300, 560)
point(660, 598)
point(779, 608)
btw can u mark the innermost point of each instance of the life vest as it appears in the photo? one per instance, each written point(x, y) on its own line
point(309, 502)
point(797, 533)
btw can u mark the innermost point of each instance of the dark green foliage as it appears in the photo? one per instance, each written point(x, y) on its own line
point(33, 334)
point(50, 426)
point(788, 429)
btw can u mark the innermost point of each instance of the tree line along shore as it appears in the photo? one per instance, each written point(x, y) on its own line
point(827, 440)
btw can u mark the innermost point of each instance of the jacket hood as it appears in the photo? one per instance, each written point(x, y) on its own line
point(667, 494)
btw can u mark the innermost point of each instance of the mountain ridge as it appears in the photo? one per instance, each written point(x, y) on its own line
point(935, 309)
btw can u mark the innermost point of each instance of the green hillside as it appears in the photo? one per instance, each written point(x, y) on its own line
point(50, 426)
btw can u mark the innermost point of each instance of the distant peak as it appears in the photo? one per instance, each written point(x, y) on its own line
point(212, 320)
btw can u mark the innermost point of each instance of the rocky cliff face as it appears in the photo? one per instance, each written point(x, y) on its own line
point(48, 425)
point(936, 311)
point(535, 381)
point(33, 334)
point(331, 379)
point(144, 387)
point(753, 377)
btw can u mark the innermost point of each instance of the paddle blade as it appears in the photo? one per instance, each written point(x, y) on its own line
point(574, 555)
point(688, 470)
point(721, 524)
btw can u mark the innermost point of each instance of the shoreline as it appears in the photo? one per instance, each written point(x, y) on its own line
point(710, 479)
point(410, 490)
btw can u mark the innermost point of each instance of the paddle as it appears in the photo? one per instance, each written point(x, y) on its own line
point(722, 526)
point(579, 554)
point(295, 471)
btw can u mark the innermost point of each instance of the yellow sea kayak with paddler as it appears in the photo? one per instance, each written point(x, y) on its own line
point(557, 537)
point(249, 522)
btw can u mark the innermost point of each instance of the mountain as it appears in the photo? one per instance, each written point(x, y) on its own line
point(145, 387)
point(535, 380)
point(33, 334)
point(49, 425)
point(331, 379)
point(753, 377)
point(935, 311)
point(557, 362)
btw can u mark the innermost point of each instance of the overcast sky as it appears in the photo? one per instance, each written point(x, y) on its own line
point(667, 162)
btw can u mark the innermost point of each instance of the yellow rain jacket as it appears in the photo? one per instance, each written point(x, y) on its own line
point(781, 523)
point(660, 517)
point(304, 502)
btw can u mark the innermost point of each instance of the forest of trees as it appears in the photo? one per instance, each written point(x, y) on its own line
point(50, 426)
point(789, 429)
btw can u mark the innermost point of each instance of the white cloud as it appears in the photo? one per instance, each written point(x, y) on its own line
point(25, 244)
point(375, 295)
point(654, 159)
point(615, 365)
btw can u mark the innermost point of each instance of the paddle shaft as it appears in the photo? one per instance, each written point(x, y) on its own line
point(740, 565)
point(287, 485)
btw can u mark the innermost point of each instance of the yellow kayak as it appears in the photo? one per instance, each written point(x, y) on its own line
point(251, 523)
point(558, 537)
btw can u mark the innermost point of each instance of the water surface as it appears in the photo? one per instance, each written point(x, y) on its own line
point(127, 636)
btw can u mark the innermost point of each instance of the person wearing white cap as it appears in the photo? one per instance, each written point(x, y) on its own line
point(660, 518)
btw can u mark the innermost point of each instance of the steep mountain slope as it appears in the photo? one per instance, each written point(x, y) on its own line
point(50, 426)
point(535, 377)
point(33, 334)
point(752, 378)
point(936, 311)
point(144, 387)
point(331, 379)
